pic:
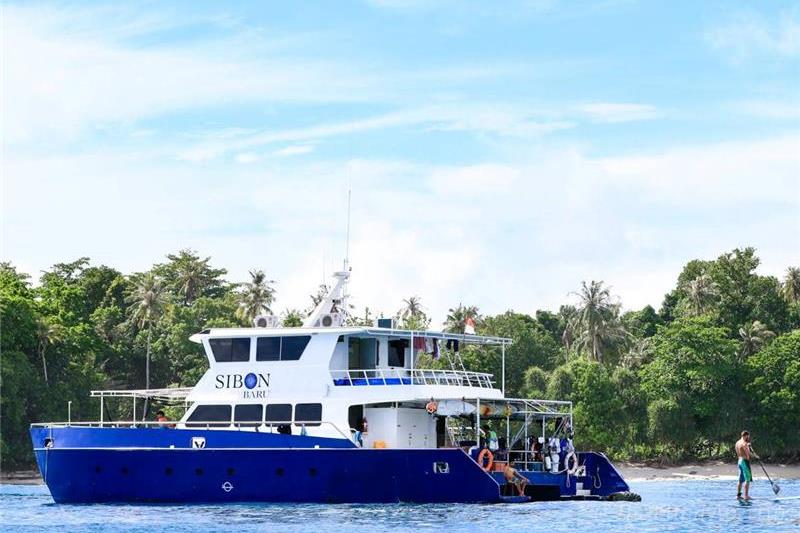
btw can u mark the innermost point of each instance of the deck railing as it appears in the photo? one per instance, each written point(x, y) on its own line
point(254, 426)
point(402, 376)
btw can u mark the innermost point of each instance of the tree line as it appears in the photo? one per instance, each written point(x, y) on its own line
point(722, 352)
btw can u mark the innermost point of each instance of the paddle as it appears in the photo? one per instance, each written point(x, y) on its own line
point(775, 488)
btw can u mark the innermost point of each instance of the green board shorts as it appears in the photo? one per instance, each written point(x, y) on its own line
point(744, 470)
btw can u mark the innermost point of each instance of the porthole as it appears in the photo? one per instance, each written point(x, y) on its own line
point(168, 471)
point(97, 469)
point(124, 470)
point(279, 472)
point(312, 472)
point(198, 471)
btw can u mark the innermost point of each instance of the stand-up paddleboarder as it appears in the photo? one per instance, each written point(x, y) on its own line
point(745, 475)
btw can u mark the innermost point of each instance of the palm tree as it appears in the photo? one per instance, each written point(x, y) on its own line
point(753, 336)
point(292, 318)
point(457, 317)
point(411, 307)
point(190, 277)
point(147, 302)
point(569, 317)
point(48, 333)
point(791, 285)
point(366, 320)
point(256, 297)
point(702, 293)
point(597, 319)
point(638, 354)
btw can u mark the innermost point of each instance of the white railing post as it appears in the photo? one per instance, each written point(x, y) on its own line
point(503, 382)
point(478, 422)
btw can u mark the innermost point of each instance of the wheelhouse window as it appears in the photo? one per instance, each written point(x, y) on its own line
point(210, 415)
point(308, 414)
point(248, 415)
point(293, 347)
point(268, 349)
point(281, 348)
point(230, 350)
point(278, 413)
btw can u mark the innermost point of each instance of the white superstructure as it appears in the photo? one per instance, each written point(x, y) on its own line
point(325, 379)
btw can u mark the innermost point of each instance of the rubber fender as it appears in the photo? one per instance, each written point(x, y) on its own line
point(624, 497)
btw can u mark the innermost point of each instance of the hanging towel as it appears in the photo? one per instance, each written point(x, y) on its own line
point(419, 343)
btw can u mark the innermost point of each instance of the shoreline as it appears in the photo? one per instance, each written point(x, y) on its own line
point(632, 472)
point(703, 471)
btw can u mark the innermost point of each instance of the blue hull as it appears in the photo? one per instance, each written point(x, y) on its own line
point(86, 465)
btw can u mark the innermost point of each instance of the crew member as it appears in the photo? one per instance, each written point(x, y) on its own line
point(554, 447)
point(745, 475)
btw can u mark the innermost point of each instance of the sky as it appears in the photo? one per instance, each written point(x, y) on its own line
point(498, 153)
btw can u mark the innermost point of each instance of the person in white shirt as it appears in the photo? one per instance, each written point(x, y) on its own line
point(554, 447)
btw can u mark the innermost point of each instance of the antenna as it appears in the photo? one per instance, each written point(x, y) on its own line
point(347, 245)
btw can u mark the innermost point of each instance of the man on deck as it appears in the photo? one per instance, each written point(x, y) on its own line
point(745, 476)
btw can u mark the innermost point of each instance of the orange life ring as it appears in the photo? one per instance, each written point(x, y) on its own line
point(431, 407)
point(481, 456)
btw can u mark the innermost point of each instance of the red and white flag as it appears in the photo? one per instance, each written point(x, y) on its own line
point(469, 326)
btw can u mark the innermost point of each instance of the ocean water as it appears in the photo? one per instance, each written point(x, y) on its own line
point(705, 506)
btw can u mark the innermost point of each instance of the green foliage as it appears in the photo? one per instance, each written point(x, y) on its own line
point(774, 374)
point(598, 410)
point(535, 383)
point(694, 372)
point(293, 318)
point(722, 353)
point(532, 346)
point(643, 323)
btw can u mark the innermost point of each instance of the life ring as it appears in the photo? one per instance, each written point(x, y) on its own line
point(574, 469)
point(486, 452)
point(431, 408)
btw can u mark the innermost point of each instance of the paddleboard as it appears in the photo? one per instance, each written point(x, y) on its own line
point(783, 499)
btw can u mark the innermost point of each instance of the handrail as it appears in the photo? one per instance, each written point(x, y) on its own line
point(168, 394)
point(194, 424)
point(417, 376)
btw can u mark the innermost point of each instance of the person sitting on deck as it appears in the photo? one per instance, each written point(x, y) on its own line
point(515, 478)
point(162, 420)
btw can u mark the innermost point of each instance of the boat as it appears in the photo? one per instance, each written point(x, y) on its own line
point(328, 413)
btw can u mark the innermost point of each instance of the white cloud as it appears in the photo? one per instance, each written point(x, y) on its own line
point(59, 82)
point(297, 149)
point(618, 112)
point(747, 35)
point(246, 157)
point(777, 109)
point(513, 234)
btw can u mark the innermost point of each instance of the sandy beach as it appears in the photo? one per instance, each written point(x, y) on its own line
point(703, 470)
point(630, 471)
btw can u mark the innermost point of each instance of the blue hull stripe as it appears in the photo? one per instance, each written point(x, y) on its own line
point(139, 465)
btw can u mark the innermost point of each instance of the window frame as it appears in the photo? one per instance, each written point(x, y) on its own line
point(310, 422)
point(298, 339)
point(250, 422)
point(206, 422)
point(270, 422)
point(233, 341)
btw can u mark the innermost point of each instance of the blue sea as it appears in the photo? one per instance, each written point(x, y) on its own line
point(705, 506)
